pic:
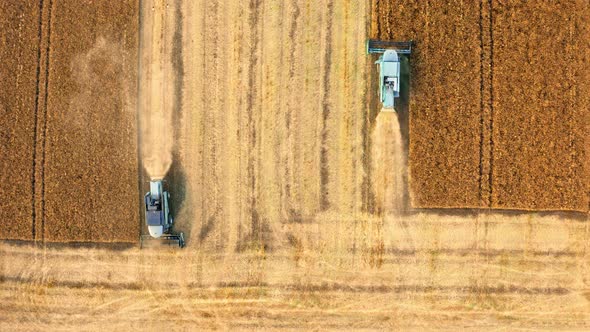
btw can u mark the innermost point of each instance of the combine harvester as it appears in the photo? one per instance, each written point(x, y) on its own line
point(158, 218)
point(389, 68)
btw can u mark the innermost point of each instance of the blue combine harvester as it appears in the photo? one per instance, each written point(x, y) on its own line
point(158, 218)
point(389, 68)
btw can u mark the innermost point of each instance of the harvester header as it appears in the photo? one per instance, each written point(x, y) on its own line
point(389, 68)
point(375, 46)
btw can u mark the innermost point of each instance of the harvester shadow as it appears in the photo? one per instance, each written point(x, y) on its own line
point(177, 186)
point(176, 175)
point(404, 123)
point(373, 110)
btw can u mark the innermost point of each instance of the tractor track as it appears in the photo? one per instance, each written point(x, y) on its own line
point(491, 105)
point(44, 143)
point(289, 188)
point(253, 124)
point(325, 194)
point(36, 116)
point(325, 288)
point(481, 103)
point(210, 92)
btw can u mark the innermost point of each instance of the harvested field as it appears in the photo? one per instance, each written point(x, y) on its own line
point(19, 51)
point(435, 273)
point(273, 124)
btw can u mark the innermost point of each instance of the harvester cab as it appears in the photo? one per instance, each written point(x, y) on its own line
point(389, 68)
point(158, 219)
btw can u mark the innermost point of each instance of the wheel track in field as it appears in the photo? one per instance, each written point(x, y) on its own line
point(289, 190)
point(40, 126)
point(209, 178)
point(253, 123)
point(325, 107)
point(36, 112)
point(44, 149)
point(491, 171)
point(481, 102)
point(33, 283)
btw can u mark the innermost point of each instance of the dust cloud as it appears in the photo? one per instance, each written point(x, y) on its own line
point(156, 131)
point(388, 163)
point(156, 92)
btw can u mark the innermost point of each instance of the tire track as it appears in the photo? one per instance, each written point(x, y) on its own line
point(140, 65)
point(253, 19)
point(222, 129)
point(368, 198)
point(491, 171)
point(209, 176)
point(293, 210)
point(203, 133)
point(212, 111)
point(481, 103)
point(344, 51)
point(485, 105)
point(178, 69)
point(241, 130)
point(359, 166)
point(35, 125)
point(44, 138)
point(324, 287)
point(325, 107)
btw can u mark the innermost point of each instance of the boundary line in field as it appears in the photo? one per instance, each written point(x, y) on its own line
point(290, 167)
point(35, 125)
point(43, 159)
point(203, 124)
point(327, 51)
point(138, 107)
point(481, 102)
point(491, 27)
point(332, 287)
point(252, 90)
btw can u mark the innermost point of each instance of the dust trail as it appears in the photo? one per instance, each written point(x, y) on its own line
point(157, 131)
point(156, 89)
point(388, 164)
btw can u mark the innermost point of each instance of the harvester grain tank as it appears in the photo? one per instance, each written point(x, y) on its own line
point(158, 219)
point(389, 68)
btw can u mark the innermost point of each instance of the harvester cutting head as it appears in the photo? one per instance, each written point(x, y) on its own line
point(157, 215)
point(389, 68)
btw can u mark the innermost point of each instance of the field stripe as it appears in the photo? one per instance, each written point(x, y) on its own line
point(481, 101)
point(34, 166)
point(43, 156)
point(327, 52)
point(491, 170)
point(253, 21)
point(312, 287)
